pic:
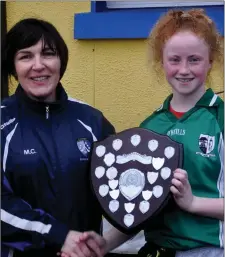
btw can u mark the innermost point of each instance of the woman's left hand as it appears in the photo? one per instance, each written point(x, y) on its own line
point(181, 190)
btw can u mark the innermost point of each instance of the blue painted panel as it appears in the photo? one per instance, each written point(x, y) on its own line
point(102, 23)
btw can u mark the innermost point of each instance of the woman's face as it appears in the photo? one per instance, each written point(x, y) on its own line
point(186, 62)
point(38, 71)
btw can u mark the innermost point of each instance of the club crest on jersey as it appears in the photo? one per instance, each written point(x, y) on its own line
point(84, 146)
point(206, 144)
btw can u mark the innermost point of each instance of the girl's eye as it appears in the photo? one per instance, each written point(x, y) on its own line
point(174, 60)
point(194, 59)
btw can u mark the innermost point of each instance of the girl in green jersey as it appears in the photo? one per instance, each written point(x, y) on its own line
point(186, 44)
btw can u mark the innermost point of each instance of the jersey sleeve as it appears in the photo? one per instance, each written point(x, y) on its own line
point(23, 227)
point(220, 117)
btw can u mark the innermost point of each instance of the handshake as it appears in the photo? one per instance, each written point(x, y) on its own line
point(86, 244)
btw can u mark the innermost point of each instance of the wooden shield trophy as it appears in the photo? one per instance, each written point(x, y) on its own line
point(131, 175)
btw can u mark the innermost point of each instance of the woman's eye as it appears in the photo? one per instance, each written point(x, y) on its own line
point(27, 56)
point(49, 53)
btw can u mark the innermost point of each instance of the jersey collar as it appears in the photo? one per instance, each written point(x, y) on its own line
point(209, 99)
point(40, 107)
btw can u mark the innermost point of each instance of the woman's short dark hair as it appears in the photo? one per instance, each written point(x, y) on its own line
point(27, 33)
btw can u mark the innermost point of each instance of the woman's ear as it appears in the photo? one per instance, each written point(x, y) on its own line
point(15, 75)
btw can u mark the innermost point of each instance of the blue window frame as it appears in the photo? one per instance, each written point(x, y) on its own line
point(104, 23)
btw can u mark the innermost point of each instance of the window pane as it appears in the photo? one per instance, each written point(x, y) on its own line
point(144, 4)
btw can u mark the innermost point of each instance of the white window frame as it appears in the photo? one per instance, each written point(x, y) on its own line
point(169, 3)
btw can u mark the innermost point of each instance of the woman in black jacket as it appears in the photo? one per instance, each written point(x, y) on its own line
point(46, 143)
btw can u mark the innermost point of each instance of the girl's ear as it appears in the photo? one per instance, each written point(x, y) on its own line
point(210, 64)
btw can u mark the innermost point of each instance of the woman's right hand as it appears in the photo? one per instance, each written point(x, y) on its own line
point(87, 244)
point(95, 242)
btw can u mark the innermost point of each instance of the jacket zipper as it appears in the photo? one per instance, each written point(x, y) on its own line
point(47, 111)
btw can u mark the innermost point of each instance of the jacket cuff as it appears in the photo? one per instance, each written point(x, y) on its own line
point(57, 234)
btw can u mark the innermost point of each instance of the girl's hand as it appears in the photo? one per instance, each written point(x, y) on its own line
point(181, 190)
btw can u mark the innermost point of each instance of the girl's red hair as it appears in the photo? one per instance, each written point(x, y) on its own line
point(194, 20)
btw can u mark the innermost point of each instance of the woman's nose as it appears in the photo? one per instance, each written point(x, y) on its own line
point(38, 63)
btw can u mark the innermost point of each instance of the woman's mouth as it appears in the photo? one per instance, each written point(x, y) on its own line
point(40, 79)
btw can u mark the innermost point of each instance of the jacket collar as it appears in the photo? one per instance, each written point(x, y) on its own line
point(41, 107)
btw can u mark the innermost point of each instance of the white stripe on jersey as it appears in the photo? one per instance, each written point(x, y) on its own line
point(6, 149)
point(220, 184)
point(24, 224)
point(90, 130)
point(11, 253)
point(76, 101)
point(213, 100)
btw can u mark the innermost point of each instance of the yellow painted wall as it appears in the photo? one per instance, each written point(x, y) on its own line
point(112, 75)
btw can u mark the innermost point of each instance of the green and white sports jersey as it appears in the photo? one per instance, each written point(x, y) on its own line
point(200, 130)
